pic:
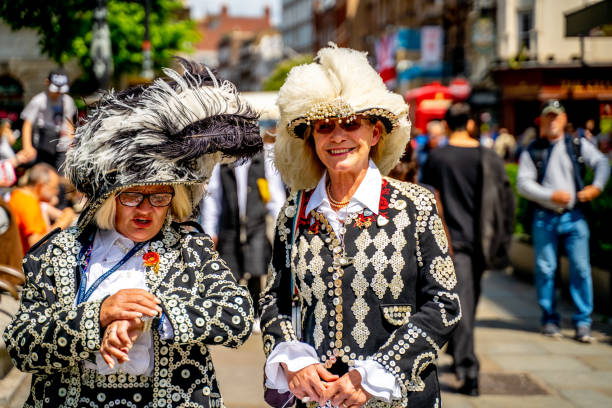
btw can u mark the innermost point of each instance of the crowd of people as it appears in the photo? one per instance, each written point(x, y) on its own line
point(171, 219)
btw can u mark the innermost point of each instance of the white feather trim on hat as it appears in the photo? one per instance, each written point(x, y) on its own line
point(340, 84)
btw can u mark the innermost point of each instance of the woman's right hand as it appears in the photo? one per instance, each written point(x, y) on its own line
point(309, 382)
point(118, 339)
point(128, 304)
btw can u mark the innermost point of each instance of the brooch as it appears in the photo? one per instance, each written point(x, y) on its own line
point(151, 258)
point(363, 220)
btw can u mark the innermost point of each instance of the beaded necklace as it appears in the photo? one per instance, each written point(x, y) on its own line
point(337, 204)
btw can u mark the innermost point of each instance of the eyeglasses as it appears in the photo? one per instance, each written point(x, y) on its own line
point(134, 199)
point(327, 127)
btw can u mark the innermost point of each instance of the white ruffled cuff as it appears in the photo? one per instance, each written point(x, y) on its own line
point(296, 355)
point(376, 380)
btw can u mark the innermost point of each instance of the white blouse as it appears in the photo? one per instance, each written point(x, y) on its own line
point(375, 379)
point(109, 247)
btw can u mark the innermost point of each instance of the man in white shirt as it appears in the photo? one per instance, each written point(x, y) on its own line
point(48, 122)
point(234, 213)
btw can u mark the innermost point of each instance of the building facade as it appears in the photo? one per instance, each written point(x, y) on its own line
point(215, 28)
point(297, 26)
point(536, 62)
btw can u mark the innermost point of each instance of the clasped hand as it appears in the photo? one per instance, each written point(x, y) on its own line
point(121, 315)
point(318, 384)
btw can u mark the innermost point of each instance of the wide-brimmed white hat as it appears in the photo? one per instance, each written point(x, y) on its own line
point(341, 84)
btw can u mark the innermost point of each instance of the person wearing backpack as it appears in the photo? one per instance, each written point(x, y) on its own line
point(550, 174)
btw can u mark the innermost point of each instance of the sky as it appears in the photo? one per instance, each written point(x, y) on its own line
point(199, 8)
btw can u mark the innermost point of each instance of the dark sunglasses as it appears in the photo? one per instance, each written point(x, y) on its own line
point(327, 127)
point(134, 199)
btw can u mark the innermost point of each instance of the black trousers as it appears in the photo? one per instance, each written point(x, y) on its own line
point(461, 343)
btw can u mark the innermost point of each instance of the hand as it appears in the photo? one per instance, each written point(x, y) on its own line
point(561, 197)
point(307, 382)
point(27, 154)
point(347, 392)
point(118, 339)
point(588, 193)
point(128, 304)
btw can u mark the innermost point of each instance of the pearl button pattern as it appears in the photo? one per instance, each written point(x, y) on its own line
point(51, 337)
point(358, 293)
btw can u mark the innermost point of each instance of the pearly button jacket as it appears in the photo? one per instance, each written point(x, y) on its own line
point(382, 290)
point(51, 337)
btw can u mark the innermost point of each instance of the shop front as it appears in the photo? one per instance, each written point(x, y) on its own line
point(585, 91)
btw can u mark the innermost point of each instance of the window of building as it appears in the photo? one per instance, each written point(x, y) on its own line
point(526, 31)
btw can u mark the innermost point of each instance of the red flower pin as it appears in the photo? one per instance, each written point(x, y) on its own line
point(151, 258)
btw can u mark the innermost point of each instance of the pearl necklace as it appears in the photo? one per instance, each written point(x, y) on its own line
point(337, 204)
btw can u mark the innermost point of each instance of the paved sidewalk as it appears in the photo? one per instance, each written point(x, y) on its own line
point(520, 367)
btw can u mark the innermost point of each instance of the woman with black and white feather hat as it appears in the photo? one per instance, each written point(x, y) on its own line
point(365, 257)
point(119, 310)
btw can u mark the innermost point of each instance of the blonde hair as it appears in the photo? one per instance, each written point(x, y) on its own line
point(180, 208)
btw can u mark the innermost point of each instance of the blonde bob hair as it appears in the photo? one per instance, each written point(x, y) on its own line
point(341, 84)
point(180, 208)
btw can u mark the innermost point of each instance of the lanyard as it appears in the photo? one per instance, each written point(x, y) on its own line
point(82, 294)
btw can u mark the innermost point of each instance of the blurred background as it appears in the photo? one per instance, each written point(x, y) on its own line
point(504, 56)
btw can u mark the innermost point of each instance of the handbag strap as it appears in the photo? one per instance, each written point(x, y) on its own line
point(293, 234)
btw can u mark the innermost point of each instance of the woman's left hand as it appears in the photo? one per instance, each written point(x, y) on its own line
point(347, 391)
point(119, 337)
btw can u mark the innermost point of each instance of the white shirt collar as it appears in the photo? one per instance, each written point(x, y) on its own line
point(372, 182)
point(106, 239)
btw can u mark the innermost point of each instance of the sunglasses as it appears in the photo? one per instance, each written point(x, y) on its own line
point(134, 199)
point(325, 127)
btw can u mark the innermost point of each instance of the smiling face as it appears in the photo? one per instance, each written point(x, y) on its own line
point(143, 222)
point(345, 147)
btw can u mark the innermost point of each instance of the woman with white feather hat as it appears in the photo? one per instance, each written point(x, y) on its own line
point(360, 293)
point(119, 310)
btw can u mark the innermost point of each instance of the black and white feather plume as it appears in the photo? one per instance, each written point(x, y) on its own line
point(172, 131)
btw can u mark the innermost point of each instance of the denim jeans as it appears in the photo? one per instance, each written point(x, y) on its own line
point(570, 229)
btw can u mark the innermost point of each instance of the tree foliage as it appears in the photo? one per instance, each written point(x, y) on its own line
point(64, 28)
point(279, 75)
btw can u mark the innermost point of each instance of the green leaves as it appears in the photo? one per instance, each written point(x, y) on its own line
point(279, 75)
point(65, 30)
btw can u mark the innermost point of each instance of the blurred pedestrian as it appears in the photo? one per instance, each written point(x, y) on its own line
point(435, 137)
point(407, 170)
point(551, 175)
point(238, 200)
point(364, 256)
point(48, 122)
point(41, 185)
point(588, 132)
point(11, 253)
point(8, 159)
point(479, 211)
point(505, 145)
point(119, 310)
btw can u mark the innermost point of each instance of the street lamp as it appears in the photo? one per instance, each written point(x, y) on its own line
point(101, 52)
point(147, 59)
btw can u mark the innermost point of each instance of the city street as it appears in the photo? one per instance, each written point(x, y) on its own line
point(520, 367)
